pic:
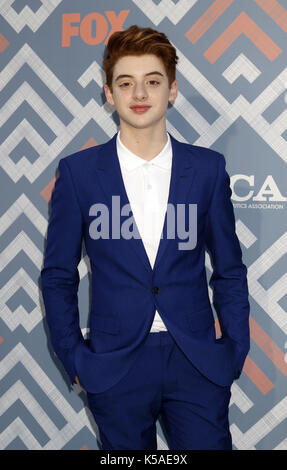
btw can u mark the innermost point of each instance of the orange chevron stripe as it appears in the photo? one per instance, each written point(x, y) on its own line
point(207, 19)
point(4, 43)
point(243, 24)
point(255, 374)
point(46, 193)
point(268, 346)
point(90, 143)
point(275, 10)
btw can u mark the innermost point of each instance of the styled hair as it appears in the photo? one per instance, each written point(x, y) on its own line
point(137, 41)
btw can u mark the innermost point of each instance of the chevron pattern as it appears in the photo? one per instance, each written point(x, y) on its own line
point(233, 79)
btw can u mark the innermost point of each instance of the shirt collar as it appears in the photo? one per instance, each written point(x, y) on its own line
point(131, 161)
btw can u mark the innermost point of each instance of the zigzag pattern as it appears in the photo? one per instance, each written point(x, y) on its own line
point(27, 17)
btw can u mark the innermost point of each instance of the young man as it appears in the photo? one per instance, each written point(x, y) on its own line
point(152, 351)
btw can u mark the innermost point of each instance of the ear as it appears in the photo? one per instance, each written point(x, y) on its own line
point(109, 95)
point(173, 91)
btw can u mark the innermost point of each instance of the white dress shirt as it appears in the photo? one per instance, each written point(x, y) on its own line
point(147, 188)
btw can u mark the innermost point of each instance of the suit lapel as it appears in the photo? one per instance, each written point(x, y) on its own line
point(110, 178)
point(182, 174)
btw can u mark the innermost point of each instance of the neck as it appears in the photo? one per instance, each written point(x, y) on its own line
point(146, 143)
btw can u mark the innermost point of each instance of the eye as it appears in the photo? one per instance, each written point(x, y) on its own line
point(152, 82)
point(123, 84)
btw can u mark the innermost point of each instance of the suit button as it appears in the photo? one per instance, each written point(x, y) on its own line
point(155, 290)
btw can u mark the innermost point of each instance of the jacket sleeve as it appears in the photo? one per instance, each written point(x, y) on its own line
point(229, 277)
point(59, 275)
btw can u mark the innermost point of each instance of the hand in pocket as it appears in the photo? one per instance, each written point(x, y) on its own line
point(77, 381)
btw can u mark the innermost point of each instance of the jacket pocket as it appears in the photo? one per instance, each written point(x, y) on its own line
point(201, 319)
point(104, 324)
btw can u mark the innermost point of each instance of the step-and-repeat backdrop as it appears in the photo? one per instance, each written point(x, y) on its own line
point(232, 98)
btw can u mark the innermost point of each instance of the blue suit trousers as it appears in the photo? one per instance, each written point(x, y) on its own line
point(162, 384)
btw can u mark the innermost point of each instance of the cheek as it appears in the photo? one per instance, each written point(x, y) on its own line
point(162, 98)
point(120, 102)
point(162, 102)
point(123, 97)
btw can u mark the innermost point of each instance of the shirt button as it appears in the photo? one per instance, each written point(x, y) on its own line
point(155, 290)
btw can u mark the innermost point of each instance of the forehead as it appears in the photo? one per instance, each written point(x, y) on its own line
point(138, 65)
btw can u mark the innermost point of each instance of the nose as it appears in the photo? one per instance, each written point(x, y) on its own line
point(140, 92)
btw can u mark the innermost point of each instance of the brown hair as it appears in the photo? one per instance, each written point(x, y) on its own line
point(138, 41)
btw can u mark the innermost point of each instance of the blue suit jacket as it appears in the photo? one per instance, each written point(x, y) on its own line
point(123, 299)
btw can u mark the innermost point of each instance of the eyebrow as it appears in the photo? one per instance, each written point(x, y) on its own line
point(131, 76)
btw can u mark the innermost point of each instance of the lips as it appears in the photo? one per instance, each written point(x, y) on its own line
point(140, 109)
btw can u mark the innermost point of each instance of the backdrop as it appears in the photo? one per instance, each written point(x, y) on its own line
point(232, 79)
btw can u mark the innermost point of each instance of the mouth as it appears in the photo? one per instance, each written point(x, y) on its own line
point(140, 109)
